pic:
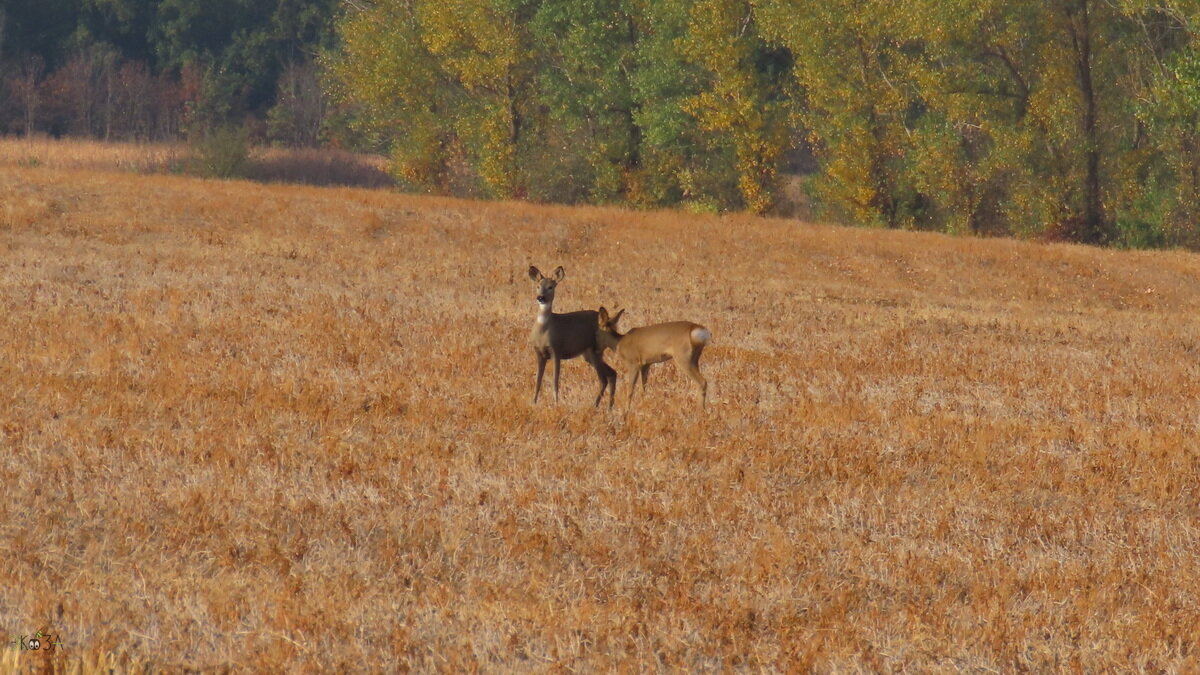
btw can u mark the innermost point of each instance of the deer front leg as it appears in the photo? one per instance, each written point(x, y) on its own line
point(537, 389)
point(612, 384)
point(557, 361)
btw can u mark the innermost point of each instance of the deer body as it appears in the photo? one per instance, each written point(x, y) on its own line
point(640, 348)
point(566, 336)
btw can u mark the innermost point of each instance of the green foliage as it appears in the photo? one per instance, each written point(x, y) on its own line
point(242, 47)
point(384, 68)
point(438, 79)
point(857, 102)
point(679, 164)
point(245, 44)
point(221, 153)
point(583, 81)
point(1170, 113)
point(1143, 225)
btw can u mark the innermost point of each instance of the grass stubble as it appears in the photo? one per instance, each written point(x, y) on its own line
point(288, 428)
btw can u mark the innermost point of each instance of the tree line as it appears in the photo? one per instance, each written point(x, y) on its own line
point(1071, 119)
point(162, 69)
point(1075, 119)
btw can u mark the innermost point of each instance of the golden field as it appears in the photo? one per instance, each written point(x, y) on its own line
point(281, 428)
point(266, 164)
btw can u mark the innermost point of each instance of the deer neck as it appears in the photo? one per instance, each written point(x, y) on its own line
point(545, 312)
point(610, 340)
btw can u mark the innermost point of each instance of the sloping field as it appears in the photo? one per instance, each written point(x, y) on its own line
point(265, 164)
point(290, 429)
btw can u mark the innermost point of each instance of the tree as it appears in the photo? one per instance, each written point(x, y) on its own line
point(1162, 204)
point(856, 103)
point(744, 101)
point(482, 46)
point(37, 28)
point(299, 110)
point(26, 87)
point(242, 46)
point(680, 163)
point(403, 96)
point(584, 60)
point(1034, 100)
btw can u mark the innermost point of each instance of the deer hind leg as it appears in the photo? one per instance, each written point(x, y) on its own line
point(692, 368)
point(607, 376)
point(537, 389)
point(645, 376)
point(631, 378)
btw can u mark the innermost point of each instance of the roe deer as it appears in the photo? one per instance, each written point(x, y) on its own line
point(642, 347)
point(565, 336)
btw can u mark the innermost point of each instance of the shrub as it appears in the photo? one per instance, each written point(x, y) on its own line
point(222, 153)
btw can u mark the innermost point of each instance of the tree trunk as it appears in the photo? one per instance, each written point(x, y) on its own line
point(883, 199)
point(519, 189)
point(1093, 229)
point(633, 159)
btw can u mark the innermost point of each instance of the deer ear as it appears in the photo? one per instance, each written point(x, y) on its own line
point(534, 273)
point(603, 315)
point(616, 317)
point(559, 273)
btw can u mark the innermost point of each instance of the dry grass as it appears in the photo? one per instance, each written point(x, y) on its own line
point(323, 166)
point(271, 165)
point(289, 429)
point(46, 152)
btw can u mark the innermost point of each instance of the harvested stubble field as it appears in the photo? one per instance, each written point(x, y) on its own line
point(265, 164)
point(286, 428)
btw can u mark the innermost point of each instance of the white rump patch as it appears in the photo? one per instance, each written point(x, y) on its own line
point(701, 336)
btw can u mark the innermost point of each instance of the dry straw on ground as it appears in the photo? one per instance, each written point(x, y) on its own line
point(266, 164)
point(287, 428)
